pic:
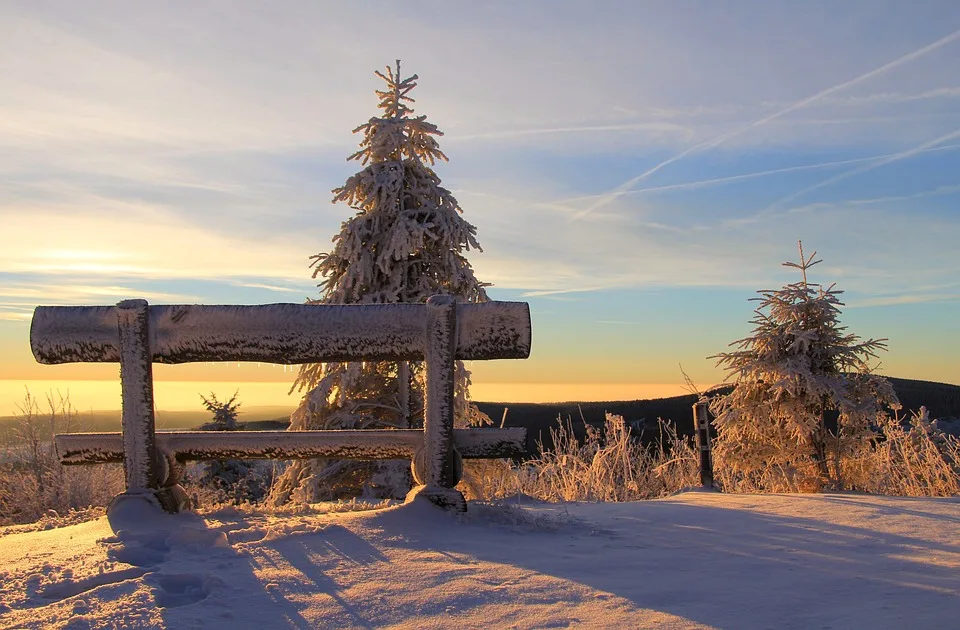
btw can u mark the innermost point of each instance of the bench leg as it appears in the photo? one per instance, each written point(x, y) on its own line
point(140, 456)
point(436, 468)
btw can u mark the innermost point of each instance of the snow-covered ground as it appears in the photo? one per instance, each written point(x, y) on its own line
point(697, 559)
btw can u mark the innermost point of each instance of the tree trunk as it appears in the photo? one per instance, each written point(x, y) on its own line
point(818, 448)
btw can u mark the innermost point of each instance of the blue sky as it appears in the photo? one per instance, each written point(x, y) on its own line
point(636, 170)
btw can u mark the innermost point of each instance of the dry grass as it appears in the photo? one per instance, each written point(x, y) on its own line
point(913, 459)
point(610, 465)
point(32, 481)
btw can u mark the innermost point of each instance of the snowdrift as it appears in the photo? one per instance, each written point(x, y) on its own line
point(694, 560)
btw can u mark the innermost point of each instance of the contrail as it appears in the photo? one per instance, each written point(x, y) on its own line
point(926, 146)
point(709, 144)
point(517, 133)
point(702, 183)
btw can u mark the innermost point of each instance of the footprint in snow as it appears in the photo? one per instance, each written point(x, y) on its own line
point(181, 589)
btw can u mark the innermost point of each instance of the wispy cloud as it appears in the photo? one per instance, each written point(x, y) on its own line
point(652, 127)
point(779, 210)
point(719, 140)
point(142, 240)
point(15, 316)
point(39, 293)
point(895, 97)
point(269, 287)
point(897, 300)
point(16, 311)
point(895, 157)
point(933, 192)
point(717, 181)
point(555, 292)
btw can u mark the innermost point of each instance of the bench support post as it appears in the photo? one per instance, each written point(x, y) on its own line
point(136, 377)
point(437, 467)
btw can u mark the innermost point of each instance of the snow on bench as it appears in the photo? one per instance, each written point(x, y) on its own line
point(137, 335)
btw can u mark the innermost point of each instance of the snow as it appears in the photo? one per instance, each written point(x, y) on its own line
point(694, 560)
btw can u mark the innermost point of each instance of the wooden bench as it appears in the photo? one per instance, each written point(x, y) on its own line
point(137, 335)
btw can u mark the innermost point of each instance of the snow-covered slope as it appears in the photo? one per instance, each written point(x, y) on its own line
point(694, 560)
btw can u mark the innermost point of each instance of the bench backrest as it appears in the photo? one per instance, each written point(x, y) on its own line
point(279, 333)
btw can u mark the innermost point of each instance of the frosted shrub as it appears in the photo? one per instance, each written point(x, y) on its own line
point(230, 481)
point(239, 482)
point(798, 368)
point(32, 480)
point(610, 465)
point(913, 460)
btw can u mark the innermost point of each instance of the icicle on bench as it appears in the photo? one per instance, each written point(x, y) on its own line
point(137, 335)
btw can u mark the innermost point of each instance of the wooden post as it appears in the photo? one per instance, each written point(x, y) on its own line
point(701, 420)
point(436, 468)
point(136, 376)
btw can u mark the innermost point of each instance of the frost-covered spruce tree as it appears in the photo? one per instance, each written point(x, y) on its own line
point(797, 373)
point(232, 480)
point(406, 242)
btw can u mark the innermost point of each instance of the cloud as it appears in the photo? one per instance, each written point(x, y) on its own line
point(83, 293)
point(951, 92)
point(649, 127)
point(142, 241)
point(870, 243)
point(21, 298)
point(896, 300)
point(890, 159)
point(269, 287)
point(716, 181)
point(15, 316)
point(554, 292)
point(719, 140)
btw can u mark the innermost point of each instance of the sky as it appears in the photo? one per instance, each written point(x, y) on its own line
point(636, 171)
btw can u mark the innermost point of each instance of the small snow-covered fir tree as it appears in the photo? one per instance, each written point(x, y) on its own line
point(406, 242)
point(231, 480)
point(224, 412)
point(797, 373)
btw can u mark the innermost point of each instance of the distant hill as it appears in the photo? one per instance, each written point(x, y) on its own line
point(941, 399)
point(257, 418)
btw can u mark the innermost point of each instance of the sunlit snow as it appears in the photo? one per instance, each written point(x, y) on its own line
point(697, 559)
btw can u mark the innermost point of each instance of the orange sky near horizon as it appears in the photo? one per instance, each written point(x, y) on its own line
point(104, 395)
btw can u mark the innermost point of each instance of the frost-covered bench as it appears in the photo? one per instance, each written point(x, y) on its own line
point(137, 335)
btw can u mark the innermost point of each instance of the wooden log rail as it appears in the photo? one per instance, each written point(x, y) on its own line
point(137, 335)
point(106, 448)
